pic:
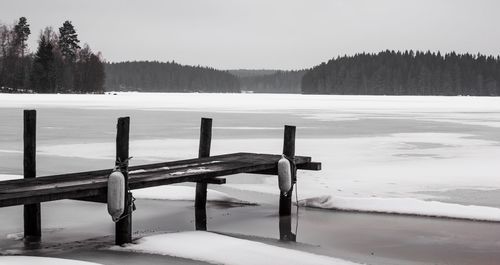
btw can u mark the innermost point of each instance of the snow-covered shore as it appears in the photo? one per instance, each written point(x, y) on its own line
point(28, 260)
point(220, 249)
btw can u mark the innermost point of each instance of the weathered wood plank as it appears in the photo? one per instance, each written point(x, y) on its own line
point(101, 198)
point(216, 181)
point(305, 166)
point(94, 183)
point(315, 166)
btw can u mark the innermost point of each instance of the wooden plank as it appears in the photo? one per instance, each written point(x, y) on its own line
point(216, 181)
point(200, 201)
point(93, 183)
point(101, 198)
point(315, 166)
point(123, 228)
point(31, 212)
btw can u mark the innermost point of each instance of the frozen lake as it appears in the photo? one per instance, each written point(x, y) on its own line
point(375, 150)
point(416, 147)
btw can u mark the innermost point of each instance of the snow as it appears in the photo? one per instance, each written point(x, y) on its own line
point(28, 260)
point(182, 193)
point(405, 206)
point(9, 177)
point(191, 171)
point(221, 249)
point(253, 102)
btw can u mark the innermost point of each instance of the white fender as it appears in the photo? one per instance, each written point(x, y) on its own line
point(116, 195)
point(284, 175)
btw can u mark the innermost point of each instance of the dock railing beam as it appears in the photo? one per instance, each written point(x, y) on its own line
point(123, 228)
point(32, 221)
point(200, 203)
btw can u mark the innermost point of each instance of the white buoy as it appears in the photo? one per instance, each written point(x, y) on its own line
point(284, 175)
point(116, 195)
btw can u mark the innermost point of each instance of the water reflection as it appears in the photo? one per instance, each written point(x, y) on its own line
point(32, 243)
point(285, 225)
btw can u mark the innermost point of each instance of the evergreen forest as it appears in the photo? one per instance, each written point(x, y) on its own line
point(406, 73)
point(59, 64)
point(156, 76)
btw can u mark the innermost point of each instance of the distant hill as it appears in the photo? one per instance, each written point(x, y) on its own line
point(406, 73)
point(153, 76)
point(252, 72)
point(269, 81)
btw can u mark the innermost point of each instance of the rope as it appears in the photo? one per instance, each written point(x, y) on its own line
point(122, 165)
point(131, 206)
point(297, 212)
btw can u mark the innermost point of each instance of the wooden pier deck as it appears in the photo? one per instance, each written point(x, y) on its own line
point(92, 185)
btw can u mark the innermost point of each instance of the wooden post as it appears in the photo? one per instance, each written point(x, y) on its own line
point(285, 221)
point(289, 151)
point(123, 228)
point(32, 223)
point(200, 203)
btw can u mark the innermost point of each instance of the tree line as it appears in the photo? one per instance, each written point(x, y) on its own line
point(406, 73)
point(59, 65)
point(157, 76)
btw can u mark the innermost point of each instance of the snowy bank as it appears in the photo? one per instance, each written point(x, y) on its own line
point(183, 193)
point(9, 177)
point(406, 206)
point(220, 249)
point(27, 260)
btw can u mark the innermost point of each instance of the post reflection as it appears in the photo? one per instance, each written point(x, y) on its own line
point(285, 225)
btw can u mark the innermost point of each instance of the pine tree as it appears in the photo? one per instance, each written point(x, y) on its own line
point(43, 76)
point(68, 41)
point(21, 34)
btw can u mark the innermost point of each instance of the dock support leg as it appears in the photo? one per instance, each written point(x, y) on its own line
point(285, 222)
point(32, 222)
point(289, 151)
point(123, 228)
point(200, 203)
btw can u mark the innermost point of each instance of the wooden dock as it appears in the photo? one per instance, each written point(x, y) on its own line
point(92, 185)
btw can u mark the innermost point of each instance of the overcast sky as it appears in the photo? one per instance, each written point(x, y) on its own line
point(271, 34)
